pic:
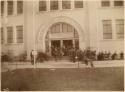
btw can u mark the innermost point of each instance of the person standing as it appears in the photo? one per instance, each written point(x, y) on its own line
point(121, 55)
point(88, 57)
point(31, 55)
point(55, 53)
point(92, 57)
point(74, 55)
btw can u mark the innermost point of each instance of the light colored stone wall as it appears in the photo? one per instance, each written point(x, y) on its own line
point(87, 21)
point(112, 14)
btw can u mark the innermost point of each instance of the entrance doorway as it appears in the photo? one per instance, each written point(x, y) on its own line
point(62, 36)
point(67, 44)
point(54, 44)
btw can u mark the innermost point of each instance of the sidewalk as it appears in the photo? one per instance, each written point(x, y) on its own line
point(59, 64)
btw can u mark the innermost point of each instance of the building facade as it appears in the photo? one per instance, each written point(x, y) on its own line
point(41, 24)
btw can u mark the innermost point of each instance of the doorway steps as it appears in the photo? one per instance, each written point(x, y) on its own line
point(64, 58)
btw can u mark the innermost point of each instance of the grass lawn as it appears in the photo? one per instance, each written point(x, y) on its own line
point(64, 79)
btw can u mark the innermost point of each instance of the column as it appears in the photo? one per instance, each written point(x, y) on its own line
point(50, 47)
point(60, 4)
point(61, 43)
point(5, 21)
point(48, 5)
point(113, 29)
point(5, 35)
point(92, 17)
point(72, 4)
point(111, 3)
point(14, 35)
point(60, 27)
point(37, 6)
point(5, 8)
point(28, 25)
point(15, 7)
point(73, 43)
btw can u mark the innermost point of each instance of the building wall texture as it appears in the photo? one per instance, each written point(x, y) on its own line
point(87, 21)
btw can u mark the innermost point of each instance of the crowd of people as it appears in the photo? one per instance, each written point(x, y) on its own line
point(85, 56)
point(87, 53)
point(110, 56)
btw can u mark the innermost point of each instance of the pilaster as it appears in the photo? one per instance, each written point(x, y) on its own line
point(15, 7)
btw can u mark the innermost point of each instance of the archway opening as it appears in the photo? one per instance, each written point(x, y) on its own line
point(63, 37)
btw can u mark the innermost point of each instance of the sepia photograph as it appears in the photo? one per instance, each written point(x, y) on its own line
point(62, 45)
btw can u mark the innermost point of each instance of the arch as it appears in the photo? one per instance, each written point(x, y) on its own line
point(44, 29)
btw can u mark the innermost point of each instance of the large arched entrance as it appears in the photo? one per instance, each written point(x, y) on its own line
point(62, 36)
point(44, 36)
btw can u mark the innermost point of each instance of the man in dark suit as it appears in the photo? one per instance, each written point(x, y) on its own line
point(88, 57)
point(31, 55)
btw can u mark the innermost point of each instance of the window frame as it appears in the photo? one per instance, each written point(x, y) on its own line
point(18, 7)
point(117, 24)
point(9, 9)
point(12, 38)
point(54, 28)
point(118, 1)
point(18, 38)
point(2, 7)
point(51, 2)
point(102, 1)
point(2, 35)
point(65, 4)
point(76, 4)
point(42, 8)
point(64, 26)
point(109, 26)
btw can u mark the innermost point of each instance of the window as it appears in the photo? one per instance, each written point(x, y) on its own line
point(9, 35)
point(107, 29)
point(78, 4)
point(64, 27)
point(118, 3)
point(55, 28)
point(2, 8)
point(10, 7)
point(66, 4)
point(2, 36)
point(120, 28)
point(67, 28)
point(105, 3)
point(53, 5)
point(42, 5)
point(70, 28)
point(19, 7)
point(19, 31)
point(75, 33)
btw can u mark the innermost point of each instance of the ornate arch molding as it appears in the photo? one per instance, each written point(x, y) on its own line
point(44, 29)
